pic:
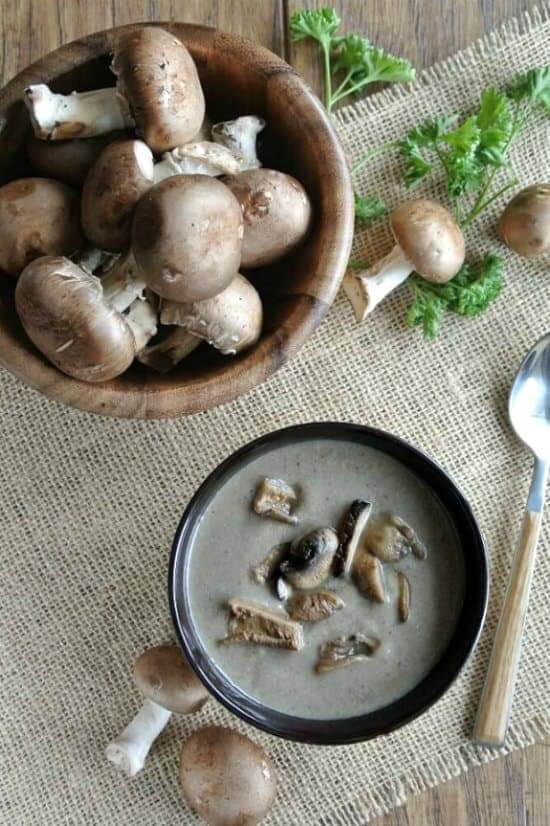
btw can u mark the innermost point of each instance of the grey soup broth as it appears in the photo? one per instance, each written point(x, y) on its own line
point(316, 607)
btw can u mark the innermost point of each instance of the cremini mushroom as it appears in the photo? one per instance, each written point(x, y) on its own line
point(268, 568)
point(368, 574)
point(525, 223)
point(158, 77)
point(169, 685)
point(122, 283)
point(141, 317)
point(230, 321)
point(64, 312)
point(240, 136)
point(226, 778)
point(199, 158)
point(57, 117)
point(157, 85)
point(276, 499)
point(428, 240)
point(187, 236)
point(350, 533)
point(312, 607)
point(404, 597)
point(37, 217)
point(310, 559)
point(120, 176)
point(276, 211)
point(390, 539)
point(166, 354)
point(252, 622)
point(95, 261)
point(344, 651)
point(68, 161)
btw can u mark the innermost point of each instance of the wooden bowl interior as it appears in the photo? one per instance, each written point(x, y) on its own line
point(293, 294)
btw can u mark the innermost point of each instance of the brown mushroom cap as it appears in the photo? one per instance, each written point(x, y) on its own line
point(158, 77)
point(37, 217)
point(68, 161)
point(186, 237)
point(226, 778)
point(164, 676)
point(63, 312)
point(430, 238)
point(115, 183)
point(525, 223)
point(276, 211)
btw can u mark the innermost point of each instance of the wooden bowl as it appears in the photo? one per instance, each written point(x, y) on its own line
point(238, 77)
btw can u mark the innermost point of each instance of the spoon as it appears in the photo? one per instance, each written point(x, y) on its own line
point(529, 412)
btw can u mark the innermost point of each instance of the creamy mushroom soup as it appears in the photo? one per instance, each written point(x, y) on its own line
point(230, 539)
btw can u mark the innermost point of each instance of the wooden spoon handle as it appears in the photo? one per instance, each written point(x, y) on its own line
point(496, 701)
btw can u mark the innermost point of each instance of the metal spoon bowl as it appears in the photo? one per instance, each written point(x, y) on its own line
point(529, 412)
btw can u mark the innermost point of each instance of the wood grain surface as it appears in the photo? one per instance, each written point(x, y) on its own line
point(513, 791)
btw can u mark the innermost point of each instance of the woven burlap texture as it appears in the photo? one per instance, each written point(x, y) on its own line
point(89, 507)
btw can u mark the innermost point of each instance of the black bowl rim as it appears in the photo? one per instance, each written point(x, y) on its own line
point(442, 675)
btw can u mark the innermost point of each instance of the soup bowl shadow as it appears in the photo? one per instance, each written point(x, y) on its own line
point(437, 681)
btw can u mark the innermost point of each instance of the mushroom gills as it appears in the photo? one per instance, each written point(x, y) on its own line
point(404, 597)
point(252, 622)
point(123, 283)
point(168, 353)
point(344, 651)
point(239, 136)
point(315, 606)
point(390, 539)
point(350, 532)
point(310, 559)
point(199, 158)
point(276, 499)
point(78, 115)
point(369, 576)
point(266, 570)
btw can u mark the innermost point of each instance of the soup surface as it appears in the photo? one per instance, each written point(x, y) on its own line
point(231, 538)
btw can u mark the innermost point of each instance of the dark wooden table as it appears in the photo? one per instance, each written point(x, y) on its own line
point(509, 792)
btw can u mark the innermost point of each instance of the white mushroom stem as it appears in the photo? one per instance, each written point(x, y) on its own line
point(129, 750)
point(93, 260)
point(142, 320)
point(240, 137)
point(78, 115)
point(367, 288)
point(122, 284)
point(168, 353)
point(199, 158)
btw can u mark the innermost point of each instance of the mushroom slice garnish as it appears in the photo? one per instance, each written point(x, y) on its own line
point(404, 597)
point(276, 500)
point(269, 566)
point(310, 559)
point(350, 533)
point(168, 353)
point(313, 607)
point(239, 136)
point(253, 622)
point(369, 576)
point(390, 539)
point(198, 158)
point(345, 651)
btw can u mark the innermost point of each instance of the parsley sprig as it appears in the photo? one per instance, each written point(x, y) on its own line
point(350, 59)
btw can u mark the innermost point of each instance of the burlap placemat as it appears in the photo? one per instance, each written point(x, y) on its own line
point(89, 507)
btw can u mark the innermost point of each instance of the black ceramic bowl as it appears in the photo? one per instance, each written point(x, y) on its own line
point(436, 682)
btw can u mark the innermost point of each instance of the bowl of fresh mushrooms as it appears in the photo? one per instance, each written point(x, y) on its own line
point(175, 219)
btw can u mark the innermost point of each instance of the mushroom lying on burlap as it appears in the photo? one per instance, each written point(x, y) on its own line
point(231, 321)
point(186, 237)
point(158, 89)
point(428, 240)
point(69, 161)
point(37, 217)
point(239, 136)
point(226, 778)
point(65, 314)
point(525, 223)
point(120, 176)
point(276, 211)
point(169, 685)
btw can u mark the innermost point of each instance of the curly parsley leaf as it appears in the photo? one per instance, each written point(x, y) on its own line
point(532, 87)
point(469, 293)
point(320, 24)
point(368, 208)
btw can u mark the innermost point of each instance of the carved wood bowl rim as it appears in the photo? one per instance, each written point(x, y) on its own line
point(149, 396)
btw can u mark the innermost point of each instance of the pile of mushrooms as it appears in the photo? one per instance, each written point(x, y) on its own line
point(144, 262)
point(226, 778)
